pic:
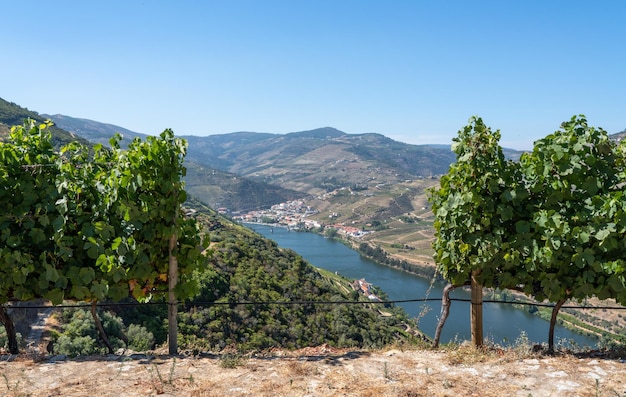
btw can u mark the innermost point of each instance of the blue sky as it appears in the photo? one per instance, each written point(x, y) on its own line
point(415, 71)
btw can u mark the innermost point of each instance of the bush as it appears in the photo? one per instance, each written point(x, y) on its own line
point(80, 337)
point(139, 338)
point(77, 346)
point(331, 232)
point(151, 317)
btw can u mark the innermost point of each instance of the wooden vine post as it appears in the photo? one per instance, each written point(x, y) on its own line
point(172, 307)
point(172, 312)
point(476, 320)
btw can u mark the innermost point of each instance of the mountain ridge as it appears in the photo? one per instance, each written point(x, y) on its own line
point(311, 161)
point(289, 166)
point(12, 114)
point(217, 188)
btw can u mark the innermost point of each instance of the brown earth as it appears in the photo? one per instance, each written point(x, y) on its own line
point(321, 371)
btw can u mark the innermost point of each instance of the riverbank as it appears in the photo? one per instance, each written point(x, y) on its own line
point(370, 251)
point(602, 325)
point(420, 297)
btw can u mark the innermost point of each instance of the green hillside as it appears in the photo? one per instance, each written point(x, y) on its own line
point(12, 114)
point(222, 189)
point(214, 187)
point(249, 268)
point(254, 296)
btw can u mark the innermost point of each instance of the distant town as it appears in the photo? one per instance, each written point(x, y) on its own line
point(295, 215)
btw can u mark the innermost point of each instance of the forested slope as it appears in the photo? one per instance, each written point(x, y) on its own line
point(239, 304)
point(253, 296)
point(12, 114)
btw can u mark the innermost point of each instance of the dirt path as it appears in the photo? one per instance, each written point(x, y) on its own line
point(37, 329)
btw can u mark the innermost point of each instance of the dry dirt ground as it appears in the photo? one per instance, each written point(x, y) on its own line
point(321, 371)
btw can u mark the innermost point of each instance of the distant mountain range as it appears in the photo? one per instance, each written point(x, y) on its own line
point(319, 160)
point(225, 167)
point(249, 170)
point(301, 163)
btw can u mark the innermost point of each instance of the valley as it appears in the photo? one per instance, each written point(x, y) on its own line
point(312, 199)
point(369, 189)
point(394, 217)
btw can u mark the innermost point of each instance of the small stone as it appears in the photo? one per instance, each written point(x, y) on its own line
point(58, 357)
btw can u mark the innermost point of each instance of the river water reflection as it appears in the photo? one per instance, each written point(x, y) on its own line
point(502, 323)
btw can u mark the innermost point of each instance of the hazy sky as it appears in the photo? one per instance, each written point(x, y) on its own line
point(415, 71)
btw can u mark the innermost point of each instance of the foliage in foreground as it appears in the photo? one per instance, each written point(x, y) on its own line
point(549, 225)
point(89, 224)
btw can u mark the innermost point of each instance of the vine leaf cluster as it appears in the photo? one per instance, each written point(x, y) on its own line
point(551, 225)
point(89, 223)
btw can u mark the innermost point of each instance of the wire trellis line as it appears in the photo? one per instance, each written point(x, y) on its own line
point(301, 302)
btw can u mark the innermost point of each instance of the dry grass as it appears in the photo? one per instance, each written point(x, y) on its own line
point(323, 371)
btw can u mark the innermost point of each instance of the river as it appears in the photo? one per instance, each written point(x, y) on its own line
point(502, 324)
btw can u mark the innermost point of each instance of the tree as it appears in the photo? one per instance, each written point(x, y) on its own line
point(89, 225)
point(473, 215)
point(331, 232)
point(550, 225)
point(169, 246)
point(29, 221)
point(610, 232)
point(569, 175)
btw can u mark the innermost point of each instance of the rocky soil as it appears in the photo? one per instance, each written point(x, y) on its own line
point(321, 371)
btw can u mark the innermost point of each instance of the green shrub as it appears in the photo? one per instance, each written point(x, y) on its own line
point(80, 337)
point(77, 346)
point(139, 338)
